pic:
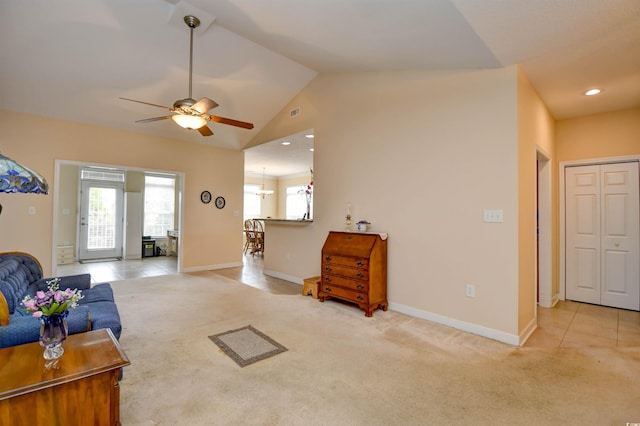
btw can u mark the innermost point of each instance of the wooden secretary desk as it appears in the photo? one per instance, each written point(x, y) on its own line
point(354, 268)
point(82, 389)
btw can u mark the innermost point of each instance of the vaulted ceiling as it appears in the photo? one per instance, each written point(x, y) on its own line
point(74, 59)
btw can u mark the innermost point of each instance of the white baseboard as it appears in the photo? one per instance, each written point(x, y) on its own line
point(501, 336)
point(212, 267)
point(275, 274)
point(528, 331)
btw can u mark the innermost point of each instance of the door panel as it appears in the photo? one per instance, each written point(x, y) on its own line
point(620, 245)
point(583, 234)
point(101, 211)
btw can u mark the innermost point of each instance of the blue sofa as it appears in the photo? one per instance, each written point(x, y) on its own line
point(21, 275)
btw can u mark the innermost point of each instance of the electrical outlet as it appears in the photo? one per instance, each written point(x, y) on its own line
point(471, 290)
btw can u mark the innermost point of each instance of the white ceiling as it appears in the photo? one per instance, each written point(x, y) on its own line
point(73, 59)
point(275, 159)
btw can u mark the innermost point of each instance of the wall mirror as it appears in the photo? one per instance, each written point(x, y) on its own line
point(283, 166)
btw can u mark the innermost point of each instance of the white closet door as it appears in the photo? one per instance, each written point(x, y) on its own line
point(602, 235)
point(582, 226)
point(620, 251)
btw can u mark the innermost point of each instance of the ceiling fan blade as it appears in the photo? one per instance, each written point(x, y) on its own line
point(149, 120)
point(147, 103)
point(204, 105)
point(231, 122)
point(205, 131)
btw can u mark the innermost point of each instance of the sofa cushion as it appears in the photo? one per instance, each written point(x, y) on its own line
point(80, 282)
point(97, 293)
point(105, 315)
point(26, 329)
point(13, 281)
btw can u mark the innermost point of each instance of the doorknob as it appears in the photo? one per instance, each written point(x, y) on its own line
point(617, 244)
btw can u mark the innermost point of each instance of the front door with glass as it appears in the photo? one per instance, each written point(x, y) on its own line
point(101, 212)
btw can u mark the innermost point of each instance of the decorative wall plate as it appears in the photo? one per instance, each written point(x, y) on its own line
point(205, 197)
point(220, 202)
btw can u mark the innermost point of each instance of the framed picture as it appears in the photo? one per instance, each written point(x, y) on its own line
point(205, 197)
point(220, 202)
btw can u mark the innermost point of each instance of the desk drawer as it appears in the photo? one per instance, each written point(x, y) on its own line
point(354, 285)
point(343, 293)
point(352, 262)
point(64, 255)
point(357, 274)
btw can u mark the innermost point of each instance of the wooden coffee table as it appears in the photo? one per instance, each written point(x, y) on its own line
point(81, 389)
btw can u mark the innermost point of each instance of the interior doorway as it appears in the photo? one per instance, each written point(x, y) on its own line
point(544, 288)
point(67, 213)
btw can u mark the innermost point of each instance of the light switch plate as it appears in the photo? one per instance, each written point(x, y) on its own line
point(493, 216)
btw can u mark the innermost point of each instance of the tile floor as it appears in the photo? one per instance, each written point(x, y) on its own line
point(574, 324)
point(249, 274)
point(122, 269)
point(568, 324)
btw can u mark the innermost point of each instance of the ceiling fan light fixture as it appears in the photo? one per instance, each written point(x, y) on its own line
point(189, 121)
point(189, 113)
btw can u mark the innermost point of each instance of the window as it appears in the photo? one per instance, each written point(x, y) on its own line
point(296, 206)
point(251, 202)
point(159, 205)
point(102, 174)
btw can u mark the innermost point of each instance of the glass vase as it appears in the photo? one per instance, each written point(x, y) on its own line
point(53, 331)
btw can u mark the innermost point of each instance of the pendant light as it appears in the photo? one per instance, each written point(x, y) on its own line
point(263, 191)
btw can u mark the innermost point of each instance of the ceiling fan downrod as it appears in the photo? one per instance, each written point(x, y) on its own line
point(192, 22)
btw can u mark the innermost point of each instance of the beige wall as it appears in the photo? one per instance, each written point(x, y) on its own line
point(599, 136)
point(420, 155)
point(207, 232)
point(535, 130)
point(68, 203)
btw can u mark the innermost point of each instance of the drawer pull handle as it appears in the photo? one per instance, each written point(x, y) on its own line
point(327, 279)
point(360, 286)
point(328, 258)
point(359, 263)
point(327, 289)
point(360, 275)
point(359, 297)
point(326, 268)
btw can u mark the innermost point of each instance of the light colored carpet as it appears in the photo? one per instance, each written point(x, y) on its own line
point(344, 369)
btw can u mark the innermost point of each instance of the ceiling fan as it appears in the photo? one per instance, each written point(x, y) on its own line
point(188, 112)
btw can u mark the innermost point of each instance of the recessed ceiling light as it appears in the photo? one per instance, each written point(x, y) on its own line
point(592, 92)
point(309, 136)
point(286, 143)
